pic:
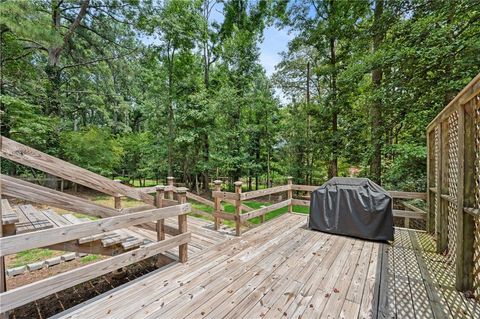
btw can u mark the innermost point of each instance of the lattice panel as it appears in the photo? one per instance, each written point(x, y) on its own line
point(452, 183)
point(476, 242)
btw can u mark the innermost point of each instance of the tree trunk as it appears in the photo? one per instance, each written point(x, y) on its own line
point(376, 112)
point(170, 113)
point(333, 166)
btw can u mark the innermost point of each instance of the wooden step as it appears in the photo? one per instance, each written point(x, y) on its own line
point(55, 218)
point(26, 214)
point(113, 239)
point(8, 214)
point(38, 220)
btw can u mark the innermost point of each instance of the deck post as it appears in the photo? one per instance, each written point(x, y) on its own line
point(3, 279)
point(170, 180)
point(290, 193)
point(218, 187)
point(182, 224)
point(431, 142)
point(466, 224)
point(442, 218)
point(118, 197)
point(160, 193)
point(238, 208)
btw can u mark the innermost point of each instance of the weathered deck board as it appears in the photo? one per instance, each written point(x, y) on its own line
point(283, 270)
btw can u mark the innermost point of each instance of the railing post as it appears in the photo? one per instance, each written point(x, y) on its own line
point(182, 224)
point(3, 279)
point(442, 219)
point(238, 208)
point(290, 193)
point(218, 187)
point(170, 180)
point(160, 193)
point(117, 198)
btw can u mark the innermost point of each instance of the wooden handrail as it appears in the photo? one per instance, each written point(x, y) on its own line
point(16, 243)
point(265, 192)
point(34, 291)
point(409, 214)
point(408, 195)
point(449, 108)
point(17, 188)
point(305, 188)
point(472, 211)
point(265, 210)
point(28, 156)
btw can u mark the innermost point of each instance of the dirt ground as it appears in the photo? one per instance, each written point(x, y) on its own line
point(58, 302)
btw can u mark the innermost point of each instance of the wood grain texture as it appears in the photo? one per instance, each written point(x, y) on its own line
point(264, 210)
point(47, 237)
point(225, 195)
point(408, 195)
point(409, 214)
point(8, 215)
point(25, 294)
point(28, 156)
point(42, 195)
point(265, 192)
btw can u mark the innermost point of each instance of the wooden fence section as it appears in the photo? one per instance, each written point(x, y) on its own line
point(16, 243)
point(409, 214)
point(146, 216)
point(454, 184)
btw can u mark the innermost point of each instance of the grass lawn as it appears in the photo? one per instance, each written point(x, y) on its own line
point(229, 208)
point(30, 256)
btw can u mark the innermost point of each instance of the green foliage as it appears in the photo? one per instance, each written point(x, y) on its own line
point(405, 167)
point(93, 149)
point(144, 89)
point(25, 123)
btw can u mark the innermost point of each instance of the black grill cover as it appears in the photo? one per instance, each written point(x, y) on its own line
point(354, 207)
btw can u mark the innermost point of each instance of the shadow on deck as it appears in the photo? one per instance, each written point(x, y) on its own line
point(282, 269)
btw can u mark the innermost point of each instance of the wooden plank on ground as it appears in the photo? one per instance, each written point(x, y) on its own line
point(30, 292)
point(47, 237)
point(28, 156)
point(8, 215)
point(58, 219)
point(24, 225)
point(38, 220)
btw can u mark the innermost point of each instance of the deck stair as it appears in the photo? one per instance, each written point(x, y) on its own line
point(18, 219)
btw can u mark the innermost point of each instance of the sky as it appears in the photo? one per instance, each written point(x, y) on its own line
point(274, 42)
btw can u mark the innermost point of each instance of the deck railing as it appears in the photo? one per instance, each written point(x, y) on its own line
point(410, 212)
point(454, 184)
point(150, 216)
point(44, 238)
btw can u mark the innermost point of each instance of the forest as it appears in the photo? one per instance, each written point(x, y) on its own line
point(139, 90)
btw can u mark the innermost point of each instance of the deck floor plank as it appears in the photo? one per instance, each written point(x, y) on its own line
point(283, 270)
point(177, 274)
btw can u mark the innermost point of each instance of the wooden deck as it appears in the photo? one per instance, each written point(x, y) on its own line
point(282, 269)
